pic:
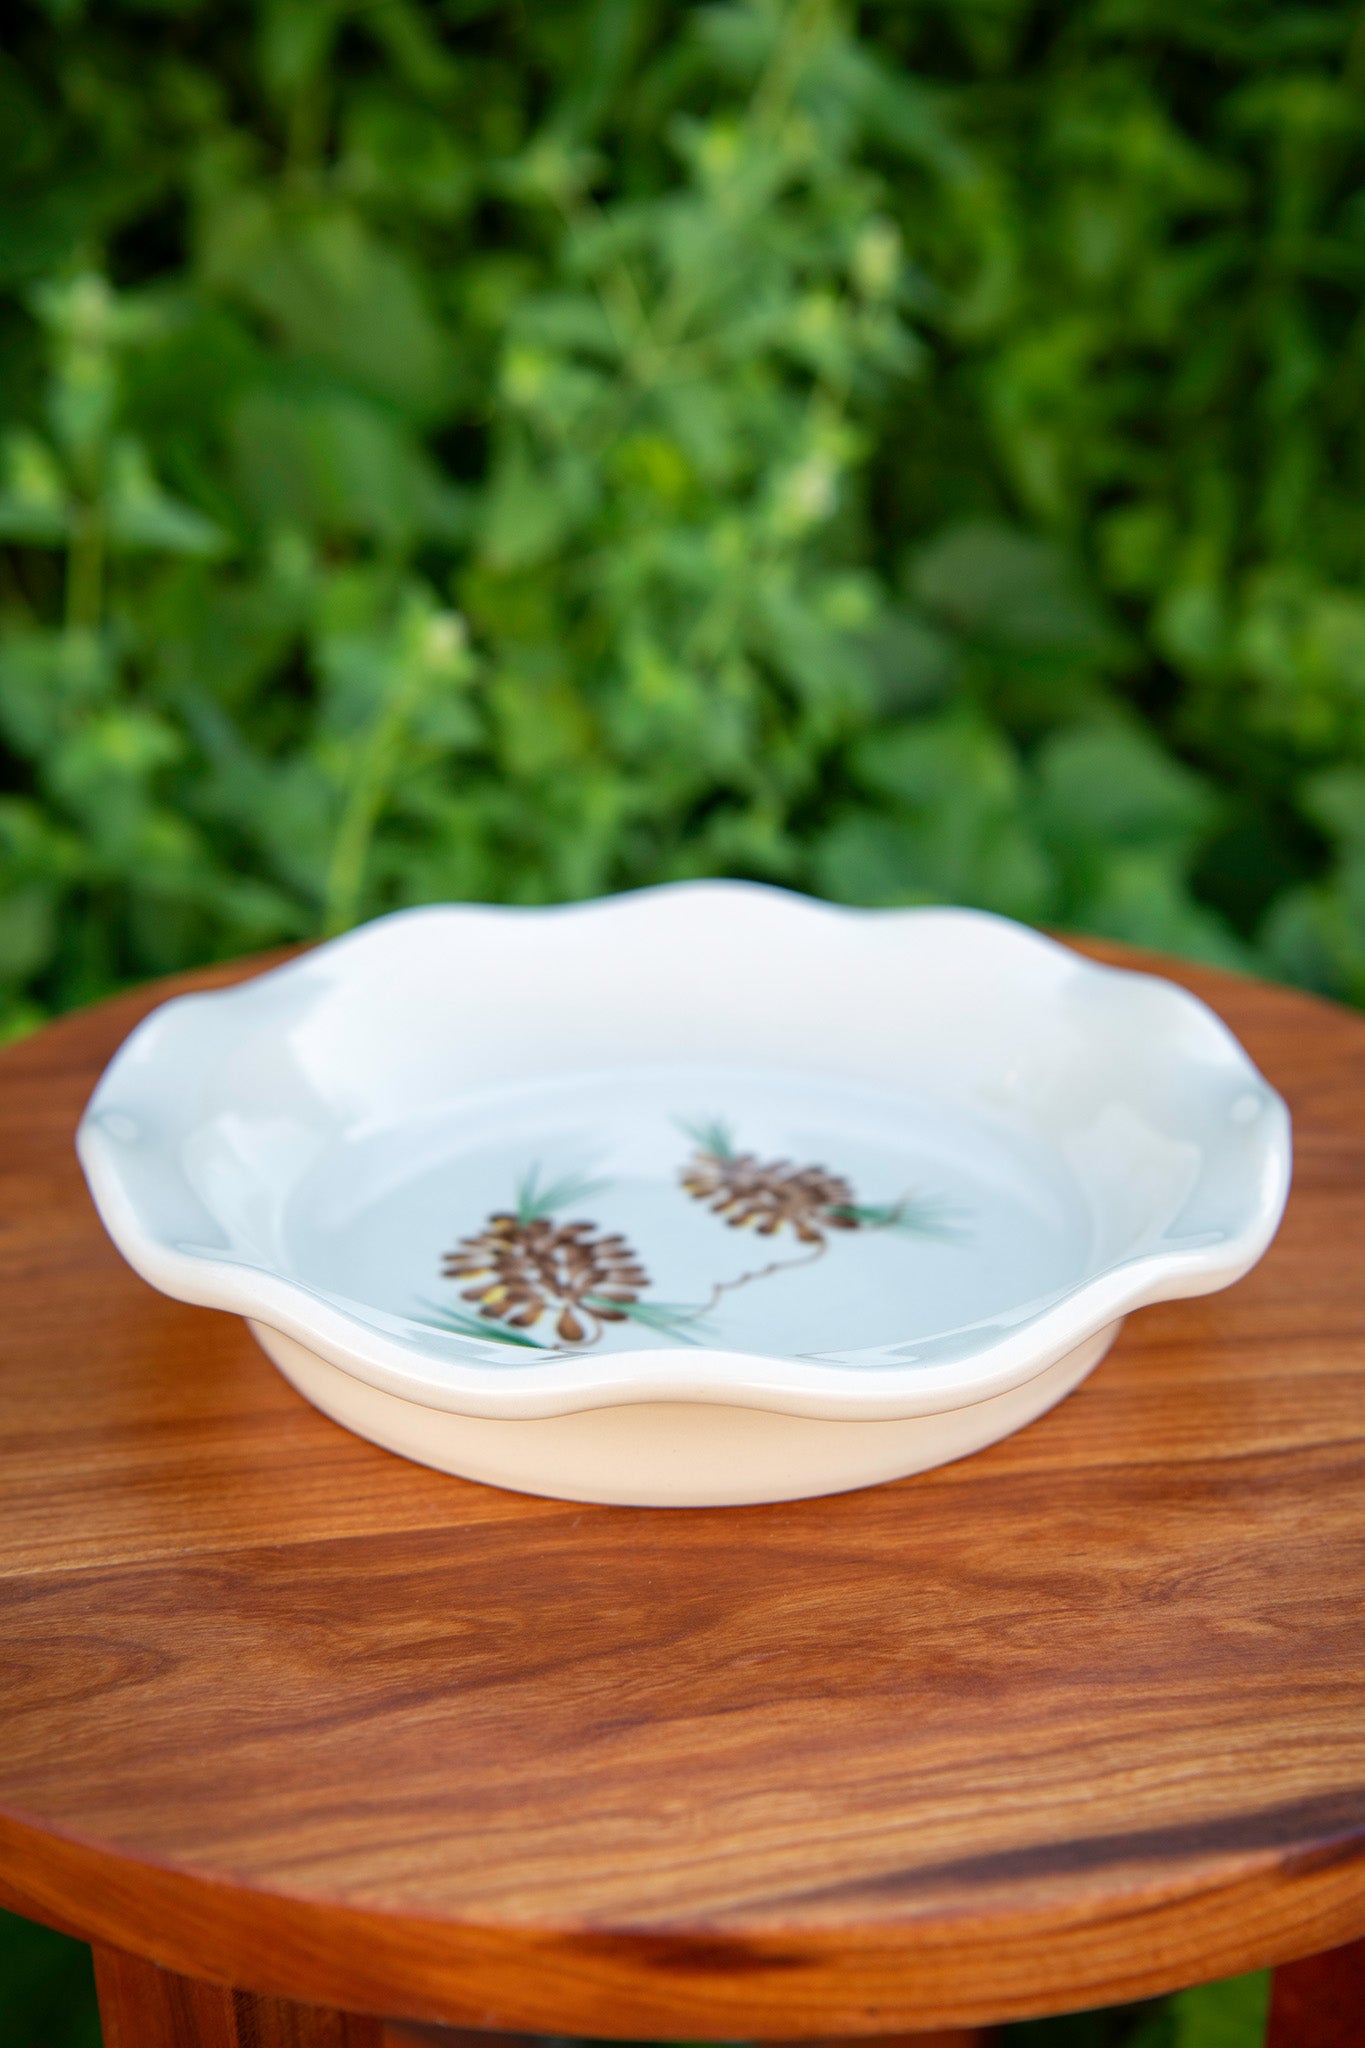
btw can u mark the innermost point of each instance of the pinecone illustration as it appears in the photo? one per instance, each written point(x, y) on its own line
point(768, 1195)
point(525, 1267)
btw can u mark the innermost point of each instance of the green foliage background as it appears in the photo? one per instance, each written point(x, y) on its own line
point(458, 448)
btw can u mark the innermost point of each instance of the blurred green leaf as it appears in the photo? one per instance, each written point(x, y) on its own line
point(1111, 785)
point(1125, 822)
point(958, 831)
point(1003, 585)
point(140, 514)
point(335, 294)
point(1232, 2014)
point(33, 501)
point(334, 462)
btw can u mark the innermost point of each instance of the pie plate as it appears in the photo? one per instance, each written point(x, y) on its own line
point(702, 1195)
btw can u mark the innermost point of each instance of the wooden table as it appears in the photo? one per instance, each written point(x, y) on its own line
point(1077, 1720)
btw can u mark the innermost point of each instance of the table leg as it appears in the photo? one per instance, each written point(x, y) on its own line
point(143, 2006)
point(1320, 2001)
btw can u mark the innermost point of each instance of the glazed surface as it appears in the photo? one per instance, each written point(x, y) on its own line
point(758, 1149)
point(1069, 1721)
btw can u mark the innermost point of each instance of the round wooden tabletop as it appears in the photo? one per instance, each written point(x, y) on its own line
point(1075, 1720)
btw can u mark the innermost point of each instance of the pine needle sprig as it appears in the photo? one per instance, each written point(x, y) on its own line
point(667, 1319)
point(712, 1135)
point(535, 1203)
point(920, 1215)
point(460, 1324)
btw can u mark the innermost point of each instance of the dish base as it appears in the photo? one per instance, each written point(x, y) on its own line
point(673, 1454)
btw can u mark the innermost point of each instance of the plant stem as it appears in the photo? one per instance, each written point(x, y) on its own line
point(365, 800)
point(762, 1273)
point(85, 570)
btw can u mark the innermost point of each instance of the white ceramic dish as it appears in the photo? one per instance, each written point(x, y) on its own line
point(703, 1195)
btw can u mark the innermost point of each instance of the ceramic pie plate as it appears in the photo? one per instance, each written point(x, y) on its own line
point(703, 1195)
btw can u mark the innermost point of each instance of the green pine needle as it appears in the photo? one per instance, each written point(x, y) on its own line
point(535, 1203)
point(667, 1319)
point(923, 1217)
point(460, 1323)
point(709, 1134)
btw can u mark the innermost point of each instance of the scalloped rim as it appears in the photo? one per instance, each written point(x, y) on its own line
point(441, 1378)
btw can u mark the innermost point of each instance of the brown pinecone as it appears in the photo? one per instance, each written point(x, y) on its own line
point(769, 1195)
point(525, 1270)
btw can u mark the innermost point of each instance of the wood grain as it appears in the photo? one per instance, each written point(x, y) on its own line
point(142, 2006)
point(1075, 1720)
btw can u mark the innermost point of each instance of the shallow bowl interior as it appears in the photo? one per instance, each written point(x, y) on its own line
point(701, 1135)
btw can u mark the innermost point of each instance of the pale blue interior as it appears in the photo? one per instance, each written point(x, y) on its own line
point(340, 1124)
point(1008, 1222)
